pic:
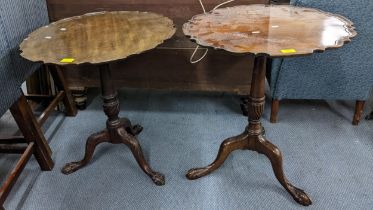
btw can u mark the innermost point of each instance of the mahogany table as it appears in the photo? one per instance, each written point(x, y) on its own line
point(97, 39)
point(265, 31)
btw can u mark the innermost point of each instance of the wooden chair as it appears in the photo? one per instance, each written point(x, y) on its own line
point(30, 127)
point(17, 19)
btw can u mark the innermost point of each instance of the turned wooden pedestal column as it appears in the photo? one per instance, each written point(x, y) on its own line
point(118, 131)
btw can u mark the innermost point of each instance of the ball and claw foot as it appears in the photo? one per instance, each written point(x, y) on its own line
point(70, 168)
point(136, 129)
point(300, 196)
point(133, 130)
point(158, 179)
point(196, 173)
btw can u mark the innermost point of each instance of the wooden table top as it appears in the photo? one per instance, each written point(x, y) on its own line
point(97, 37)
point(274, 30)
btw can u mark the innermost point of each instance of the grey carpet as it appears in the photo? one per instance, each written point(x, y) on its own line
point(323, 154)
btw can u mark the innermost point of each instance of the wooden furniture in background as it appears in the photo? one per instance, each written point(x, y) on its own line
point(31, 129)
point(63, 95)
point(265, 31)
point(168, 66)
point(97, 39)
point(36, 144)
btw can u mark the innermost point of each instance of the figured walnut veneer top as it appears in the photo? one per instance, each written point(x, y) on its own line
point(97, 37)
point(277, 31)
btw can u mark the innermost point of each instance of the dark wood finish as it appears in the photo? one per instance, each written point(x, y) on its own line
point(36, 144)
point(359, 108)
point(265, 29)
point(118, 131)
point(37, 97)
point(280, 1)
point(14, 174)
point(274, 110)
point(179, 10)
point(245, 105)
point(170, 69)
point(32, 132)
point(39, 82)
point(151, 70)
point(63, 94)
point(12, 149)
point(98, 38)
point(246, 99)
point(13, 140)
point(60, 82)
point(44, 116)
point(121, 34)
point(252, 138)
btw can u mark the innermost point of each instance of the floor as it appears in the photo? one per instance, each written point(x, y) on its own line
point(323, 154)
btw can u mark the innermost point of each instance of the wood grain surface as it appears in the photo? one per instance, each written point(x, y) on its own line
point(275, 30)
point(167, 66)
point(179, 11)
point(97, 37)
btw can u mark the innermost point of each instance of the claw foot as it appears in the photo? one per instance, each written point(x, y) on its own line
point(70, 168)
point(136, 129)
point(158, 179)
point(196, 173)
point(300, 196)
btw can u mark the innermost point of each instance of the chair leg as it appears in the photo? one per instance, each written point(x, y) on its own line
point(61, 84)
point(359, 107)
point(274, 110)
point(32, 132)
point(15, 173)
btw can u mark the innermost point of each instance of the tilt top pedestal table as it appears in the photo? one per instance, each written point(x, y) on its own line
point(265, 31)
point(97, 39)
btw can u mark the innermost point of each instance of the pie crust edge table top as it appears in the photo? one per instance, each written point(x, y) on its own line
point(98, 37)
point(273, 30)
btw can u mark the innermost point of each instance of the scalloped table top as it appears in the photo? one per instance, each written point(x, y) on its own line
point(274, 30)
point(97, 37)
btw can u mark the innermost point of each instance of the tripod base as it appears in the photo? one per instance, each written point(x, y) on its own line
point(257, 143)
point(124, 133)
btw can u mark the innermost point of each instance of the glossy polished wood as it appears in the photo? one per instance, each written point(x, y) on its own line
point(274, 30)
point(118, 131)
point(253, 138)
point(97, 37)
point(265, 31)
point(207, 75)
